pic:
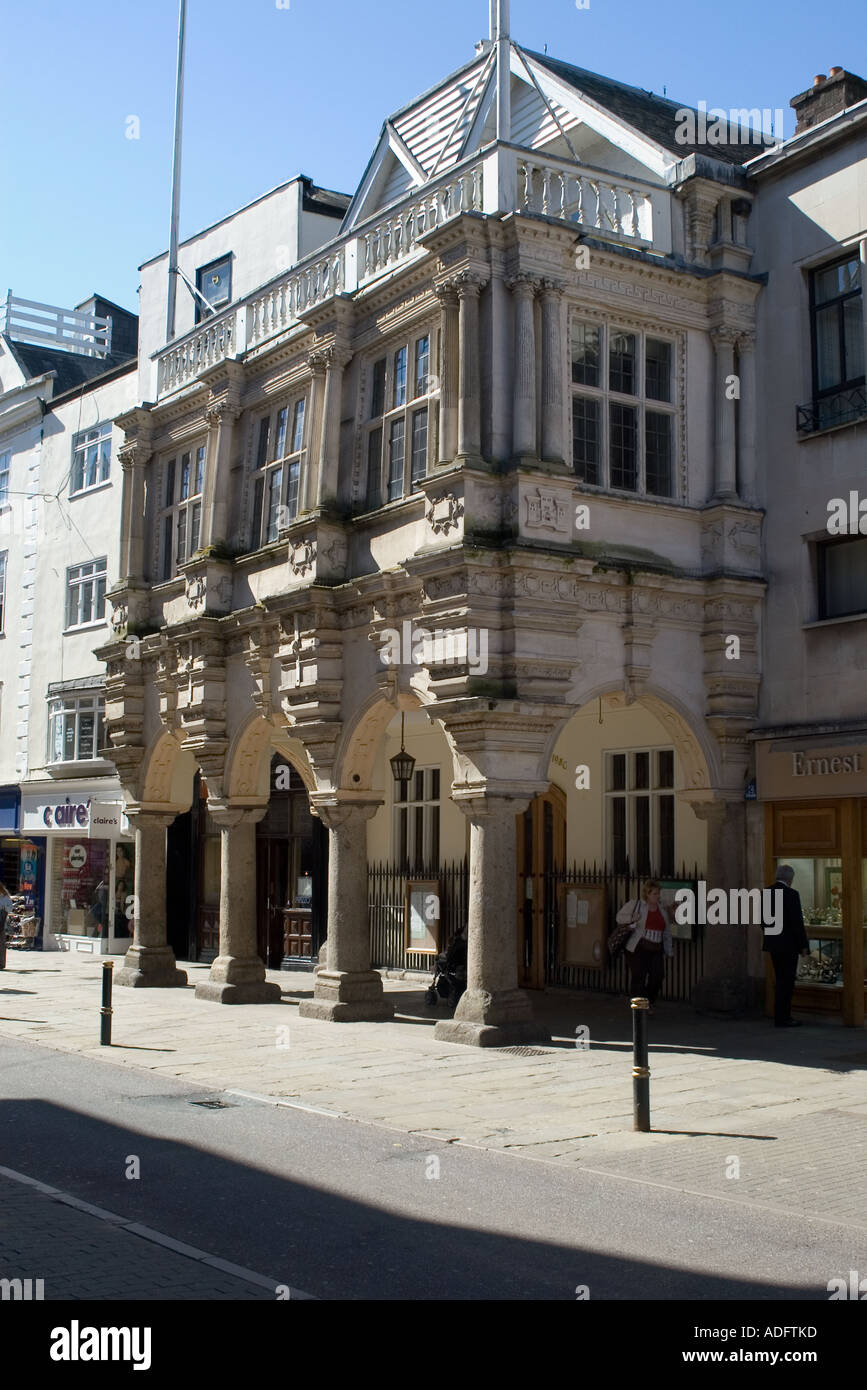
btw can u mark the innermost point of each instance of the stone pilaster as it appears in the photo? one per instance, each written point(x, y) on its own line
point(724, 986)
point(135, 453)
point(747, 418)
point(315, 439)
point(725, 472)
point(450, 346)
point(493, 1012)
point(469, 383)
point(216, 523)
point(150, 961)
point(334, 359)
point(523, 289)
point(551, 298)
point(237, 976)
point(347, 990)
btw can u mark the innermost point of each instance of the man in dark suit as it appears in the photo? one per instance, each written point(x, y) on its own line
point(784, 948)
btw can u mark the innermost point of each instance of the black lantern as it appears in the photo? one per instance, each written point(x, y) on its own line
point(402, 764)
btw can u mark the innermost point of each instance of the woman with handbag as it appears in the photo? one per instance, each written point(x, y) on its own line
point(650, 941)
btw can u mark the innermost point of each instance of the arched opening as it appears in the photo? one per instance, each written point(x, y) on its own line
point(291, 873)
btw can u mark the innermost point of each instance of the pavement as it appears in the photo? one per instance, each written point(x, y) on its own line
point(742, 1112)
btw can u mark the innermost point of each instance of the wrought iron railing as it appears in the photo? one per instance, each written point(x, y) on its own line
point(682, 972)
point(843, 408)
point(386, 897)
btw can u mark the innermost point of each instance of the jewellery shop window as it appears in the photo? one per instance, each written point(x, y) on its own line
point(820, 884)
point(84, 886)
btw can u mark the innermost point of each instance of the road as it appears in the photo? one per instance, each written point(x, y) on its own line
point(344, 1210)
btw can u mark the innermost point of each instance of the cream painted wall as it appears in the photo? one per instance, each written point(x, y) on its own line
point(585, 741)
point(427, 744)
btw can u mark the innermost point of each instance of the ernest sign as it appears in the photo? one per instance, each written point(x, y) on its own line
point(784, 772)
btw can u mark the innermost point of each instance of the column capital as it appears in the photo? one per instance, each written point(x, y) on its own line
point(317, 363)
point(551, 289)
point(746, 342)
point(143, 818)
point(469, 283)
point(724, 336)
point(218, 412)
point(447, 293)
point(134, 454)
point(487, 802)
point(334, 357)
point(335, 810)
point(523, 285)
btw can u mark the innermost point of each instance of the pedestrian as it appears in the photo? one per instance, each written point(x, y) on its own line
point(785, 947)
point(650, 942)
point(5, 908)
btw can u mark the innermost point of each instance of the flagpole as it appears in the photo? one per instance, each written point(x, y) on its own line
point(176, 176)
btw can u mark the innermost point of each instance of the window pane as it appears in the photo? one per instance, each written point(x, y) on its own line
point(85, 734)
point(658, 453)
point(585, 354)
point(68, 735)
point(399, 377)
point(623, 455)
point(377, 396)
point(617, 774)
point(282, 426)
point(374, 467)
point(170, 482)
point(275, 483)
point(642, 834)
point(853, 339)
point(77, 471)
point(105, 459)
point(585, 439)
point(642, 770)
point(200, 469)
point(418, 836)
point(99, 606)
point(845, 578)
point(666, 836)
point(292, 490)
point(419, 445)
point(72, 605)
point(665, 768)
point(621, 363)
point(837, 280)
point(434, 833)
point(396, 444)
point(258, 495)
point(828, 365)
point(434, 784)
point(262, 447)
point(298, 428)
point(181, 537)
point(658, 370)
point(618, 833)
point(422, 366)
point(167, 548)
point(185, 478)
point(195, 525)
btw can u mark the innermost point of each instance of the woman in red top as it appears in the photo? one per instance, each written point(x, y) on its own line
point(650, 942)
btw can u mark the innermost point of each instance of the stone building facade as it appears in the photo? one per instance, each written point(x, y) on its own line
point(495, 405)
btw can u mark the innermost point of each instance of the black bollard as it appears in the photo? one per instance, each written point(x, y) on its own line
point(106, 1011)
point(640, 1069)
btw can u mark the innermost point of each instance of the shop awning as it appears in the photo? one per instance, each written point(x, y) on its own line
point(10, 800)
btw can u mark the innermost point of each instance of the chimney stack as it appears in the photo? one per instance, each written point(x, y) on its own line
point(827, 97)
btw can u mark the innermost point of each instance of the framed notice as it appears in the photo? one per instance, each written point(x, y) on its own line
point(422, 923)
point(583, 925)
point(667, 889)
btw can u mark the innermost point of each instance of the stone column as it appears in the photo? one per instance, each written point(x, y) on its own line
point(747, 417)
point(237, 976)
point(724, 985)
point(150, 961)
point(469, 389)
point(334, 360)
point(493, 1012)
point(216, 499)
point(523, 289)
point(552, 372)
point(347, 990)
point(133, 459)
point(725, 473)
point(309, 485)
point(449, 353)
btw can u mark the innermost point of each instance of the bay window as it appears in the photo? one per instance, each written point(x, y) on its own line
point(398, 429)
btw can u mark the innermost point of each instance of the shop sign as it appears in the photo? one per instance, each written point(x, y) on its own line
point(105, 819)
point(68, 816)
point(812, 770)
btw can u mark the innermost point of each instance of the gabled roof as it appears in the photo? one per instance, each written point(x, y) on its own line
point(72, 368)
point(654, 115)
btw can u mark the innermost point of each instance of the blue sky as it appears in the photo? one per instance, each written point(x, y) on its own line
point(273, 91)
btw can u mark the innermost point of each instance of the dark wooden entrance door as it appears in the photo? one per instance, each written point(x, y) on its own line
point(272, 865)
point(541, 836)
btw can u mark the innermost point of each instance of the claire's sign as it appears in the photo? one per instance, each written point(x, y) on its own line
point(69, 814)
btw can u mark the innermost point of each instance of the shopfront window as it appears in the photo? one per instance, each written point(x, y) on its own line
point(820, 883)
point(124, 888)
point(84, 867)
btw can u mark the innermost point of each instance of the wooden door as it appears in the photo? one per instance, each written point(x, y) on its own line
point(541, 850)
point(272, 868)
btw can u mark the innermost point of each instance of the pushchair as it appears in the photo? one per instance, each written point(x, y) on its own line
point(450, 975)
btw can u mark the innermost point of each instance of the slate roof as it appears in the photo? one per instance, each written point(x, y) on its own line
point(72, 368)
point(653, 115)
